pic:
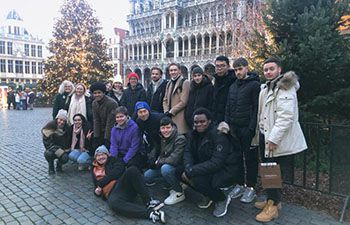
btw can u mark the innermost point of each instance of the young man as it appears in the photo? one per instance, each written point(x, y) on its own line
point(156, 90)
point(103, 108)
point(164, 164)
point(176, 96)
point(241, 115)
point(280, 134)
point(210, 162)
point(224, 77)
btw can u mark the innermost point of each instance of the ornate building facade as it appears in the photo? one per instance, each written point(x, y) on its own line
point(21, 54)
point(189, 32)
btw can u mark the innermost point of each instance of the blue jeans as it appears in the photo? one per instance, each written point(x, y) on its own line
point(166, 172)
point(79, 157)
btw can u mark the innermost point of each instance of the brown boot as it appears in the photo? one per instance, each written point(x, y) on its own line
point(269, 212)
point(261, 205)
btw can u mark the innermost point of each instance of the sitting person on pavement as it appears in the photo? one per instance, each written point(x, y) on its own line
point(56, 139)
point(210, 162)
point(170, 156)
point(126, 141)
point(81, 142)
point(120, 189)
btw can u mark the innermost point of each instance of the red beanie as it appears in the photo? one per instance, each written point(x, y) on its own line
point(133, 75)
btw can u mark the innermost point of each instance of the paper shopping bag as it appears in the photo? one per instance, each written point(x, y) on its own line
point(270, 174)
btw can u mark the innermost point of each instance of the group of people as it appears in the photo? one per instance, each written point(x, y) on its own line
point(20, 99)
point(205, 134)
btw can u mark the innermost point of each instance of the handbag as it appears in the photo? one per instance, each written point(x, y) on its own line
point(270, 173)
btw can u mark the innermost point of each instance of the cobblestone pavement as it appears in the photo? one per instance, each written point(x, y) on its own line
point(29, 196)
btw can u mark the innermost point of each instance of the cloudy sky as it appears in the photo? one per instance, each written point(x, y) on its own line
point(39, 15)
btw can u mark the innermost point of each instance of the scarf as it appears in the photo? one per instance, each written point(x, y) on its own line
point(156, 84)
point(118, 93)
point(75, 133)
point(77, 105)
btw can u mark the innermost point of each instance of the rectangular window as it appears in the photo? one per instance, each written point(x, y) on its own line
point(110, 53)
point(19, 66)
point(27, 67)
point(33, 50)
point(115, 53)
point(40, 51)
point(2, 65)
point(9, 48)
point(10, 31)
point(26, 49)
point(2, 47)
point(40, 68)
point(33, 67)
point(16, 30)
point(10, 66)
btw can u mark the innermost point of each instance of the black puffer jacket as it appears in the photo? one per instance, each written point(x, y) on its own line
point(201, 95)
point(61, 101)
point(242, 102)
point(211, 153)
point(221, 87)
point(131, 96)
point(155, 100)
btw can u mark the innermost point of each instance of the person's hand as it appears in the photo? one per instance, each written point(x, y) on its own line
point(271, 146)
point(169, 114)
point(89, 134)
point(98, 191)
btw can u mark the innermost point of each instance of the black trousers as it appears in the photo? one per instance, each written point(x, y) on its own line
point(122, 197)
point(249, 164)
point(287, 169)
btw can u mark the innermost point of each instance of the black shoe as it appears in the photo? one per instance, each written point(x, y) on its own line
point(51, 168)
point(58, 167)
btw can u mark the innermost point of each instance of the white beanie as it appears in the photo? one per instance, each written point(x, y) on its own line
point(118, 78)
point(62, 114)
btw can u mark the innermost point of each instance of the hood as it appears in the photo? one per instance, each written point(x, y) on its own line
point(288, 81)
point(204, 82)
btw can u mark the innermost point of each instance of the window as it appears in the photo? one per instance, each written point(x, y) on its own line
point(110, 53)
point(26, 49)
point(33, 50)
point(33, 67)
point(19, 66)
point(40, 51)
point(16, 30)
point(40, 68)
point(10, 66)
point(116, 53)
point(10, 30)
point(2, 65)
point(27, 67)
point(9, 48)
point(2, 47)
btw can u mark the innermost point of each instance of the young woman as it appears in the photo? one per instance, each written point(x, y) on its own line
point(80, 102)
point(117, 89)
point(81, 144)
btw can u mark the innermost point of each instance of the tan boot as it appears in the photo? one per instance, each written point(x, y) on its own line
point(261, 205)
point(269, 212)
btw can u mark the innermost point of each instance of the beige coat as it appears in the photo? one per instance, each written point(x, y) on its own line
point(278, 115)
point(178, 103)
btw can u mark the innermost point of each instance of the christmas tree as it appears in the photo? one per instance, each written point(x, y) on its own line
point(78, 49)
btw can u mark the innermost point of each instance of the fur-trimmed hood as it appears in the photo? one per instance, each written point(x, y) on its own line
point(285, 81)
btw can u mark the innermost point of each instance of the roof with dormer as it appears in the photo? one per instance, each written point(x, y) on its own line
point(13, 15)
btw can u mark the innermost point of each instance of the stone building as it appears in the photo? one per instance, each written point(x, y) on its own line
point(189, 32)
point(21, 54)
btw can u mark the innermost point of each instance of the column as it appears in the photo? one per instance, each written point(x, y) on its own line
point(163, 50)
point(175, 17)
point(210, 44)
point(176, 48)
point(132, 52)
point(152, 50)
point(217, 42)
point(158, 50)
point(196, 46)
point(203, 44)
point(142, 51)
point(189, 46)
point(183, 47)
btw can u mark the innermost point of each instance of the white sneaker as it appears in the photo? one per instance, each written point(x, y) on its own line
point(174, 197)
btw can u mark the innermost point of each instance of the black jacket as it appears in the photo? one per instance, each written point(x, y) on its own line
point(221, 88)
point(242, 102)
point(113, 171)
point(61, 102)
point(201, 95)
point(212, 153)
point(131, 96)
point(111, 94)
point(155, 100)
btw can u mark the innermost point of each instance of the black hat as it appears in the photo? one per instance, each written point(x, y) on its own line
point(98, 86)
point(197, 70)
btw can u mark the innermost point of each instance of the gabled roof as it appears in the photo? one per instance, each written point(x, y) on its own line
point(13, 15)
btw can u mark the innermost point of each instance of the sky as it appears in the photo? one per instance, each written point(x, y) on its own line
point(39, 15)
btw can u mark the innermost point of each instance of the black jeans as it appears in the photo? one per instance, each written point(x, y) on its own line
point(287, 169)
point(249, 164)
point(122, 197)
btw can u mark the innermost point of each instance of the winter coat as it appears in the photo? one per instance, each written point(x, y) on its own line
point(221, 88)
point(150, 128)
point(175, 101)
point(61, 102)
point(211, 153)
point(10, 97)
point(201, 95)
point(278, 115)
point(126, 142)
point(31, 97)
point(88, 143)
point(56, 140)
point(111, 94)
point(131, 96)
point(104, 117)
point(242, 103)
point(171, 149)
point(155, 100)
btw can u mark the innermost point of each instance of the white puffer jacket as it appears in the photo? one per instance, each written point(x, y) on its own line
point(278, 115)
